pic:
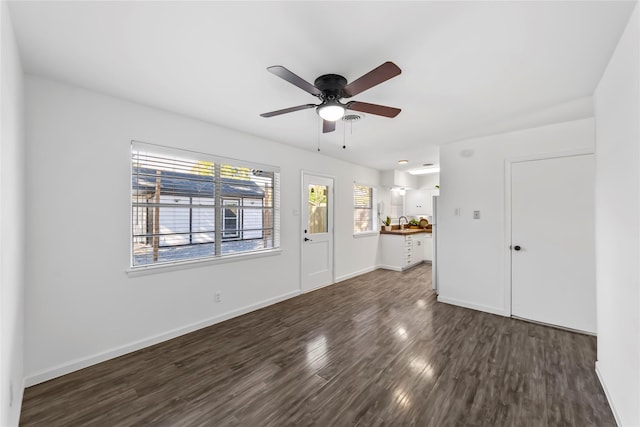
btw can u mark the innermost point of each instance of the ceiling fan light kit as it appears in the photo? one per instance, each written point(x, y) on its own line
point(331, 111)
point(330, 88)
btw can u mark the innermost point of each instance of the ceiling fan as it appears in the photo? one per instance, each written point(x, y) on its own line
point(330, 88)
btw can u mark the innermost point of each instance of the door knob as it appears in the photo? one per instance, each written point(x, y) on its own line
point(517, 248)
point(306, 239)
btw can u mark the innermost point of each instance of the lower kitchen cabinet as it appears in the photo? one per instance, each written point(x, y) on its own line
point(400, 252)
point(428, 247)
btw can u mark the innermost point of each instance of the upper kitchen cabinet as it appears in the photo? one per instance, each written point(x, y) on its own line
point(419, 202)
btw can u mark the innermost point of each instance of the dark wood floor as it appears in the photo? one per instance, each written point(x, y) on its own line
point(375, 350)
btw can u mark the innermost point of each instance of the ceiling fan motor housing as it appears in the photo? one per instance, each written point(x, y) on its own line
point(331, 86)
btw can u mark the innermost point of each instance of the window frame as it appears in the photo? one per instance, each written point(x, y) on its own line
point(218, 206)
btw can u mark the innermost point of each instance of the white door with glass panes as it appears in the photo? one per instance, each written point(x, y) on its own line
point(317, 231)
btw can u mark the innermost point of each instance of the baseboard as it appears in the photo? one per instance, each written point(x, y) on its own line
point(357, 273)
point(606, 393)
point(389, 267)
point(81, 363)
point(562, 328)
point(16, 407)
point(479, 307)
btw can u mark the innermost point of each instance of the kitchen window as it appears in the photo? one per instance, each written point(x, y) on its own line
point(188, 206)
point(363, 209)
point(397, 203)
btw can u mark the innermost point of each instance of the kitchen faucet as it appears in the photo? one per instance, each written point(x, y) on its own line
point(400, 221)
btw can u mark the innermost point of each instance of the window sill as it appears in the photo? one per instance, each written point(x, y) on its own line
point(365, 234)
point(161, 268)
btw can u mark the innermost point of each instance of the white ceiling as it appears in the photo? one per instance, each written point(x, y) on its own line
point(468, 68)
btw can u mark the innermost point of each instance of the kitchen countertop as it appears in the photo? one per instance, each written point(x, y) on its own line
point(406, 231)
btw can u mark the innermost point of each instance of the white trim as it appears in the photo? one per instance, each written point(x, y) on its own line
point(18, 397)
point(405, 268)
point(365, 234)
point(390, 267)
point(80, 363)
point(318, 287)
point(554, 155)
point(323, 175)
point(607, 395)
point(506, 303)
point(181, 265)
point(356, 273)
point(551, 325)
point(508, 162)
point(466, 304)
point(300, 228)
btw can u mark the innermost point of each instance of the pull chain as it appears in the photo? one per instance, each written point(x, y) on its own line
point(319, 131)
point(344, 136)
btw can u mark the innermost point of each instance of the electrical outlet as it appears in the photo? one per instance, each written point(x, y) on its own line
point(218, 297)
point(476, 214)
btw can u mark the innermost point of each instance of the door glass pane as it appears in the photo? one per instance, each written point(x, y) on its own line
point(318, 209)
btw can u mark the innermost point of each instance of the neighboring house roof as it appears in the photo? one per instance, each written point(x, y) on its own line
point(143, 181)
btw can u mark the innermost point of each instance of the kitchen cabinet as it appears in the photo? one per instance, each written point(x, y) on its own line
point(419, 247)
point(419, 202)
point(428, 247)
point(400, 252)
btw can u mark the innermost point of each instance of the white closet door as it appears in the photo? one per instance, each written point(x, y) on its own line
point(553, 251)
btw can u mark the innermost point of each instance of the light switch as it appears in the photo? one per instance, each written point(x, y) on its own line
point(476, 214)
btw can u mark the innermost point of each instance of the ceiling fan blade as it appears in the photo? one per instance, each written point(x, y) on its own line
point(371, 79)
point(378, 110)
point(288, 110)
point(328, 126)
point(287, 75)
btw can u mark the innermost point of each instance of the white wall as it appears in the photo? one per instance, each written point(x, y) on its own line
point(617, 114)
point(12, 225)
point(81, 305)
point(429, 181)
point(472, 177)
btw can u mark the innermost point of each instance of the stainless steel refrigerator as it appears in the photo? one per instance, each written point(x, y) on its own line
point(434, 231)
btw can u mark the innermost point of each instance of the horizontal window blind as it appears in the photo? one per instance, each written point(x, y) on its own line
point(397, 204)
point(363, 217)
point(188, 206)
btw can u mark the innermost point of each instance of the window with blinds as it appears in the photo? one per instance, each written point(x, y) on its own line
point(397, 204)
point(363, 212)
point(191, 206)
